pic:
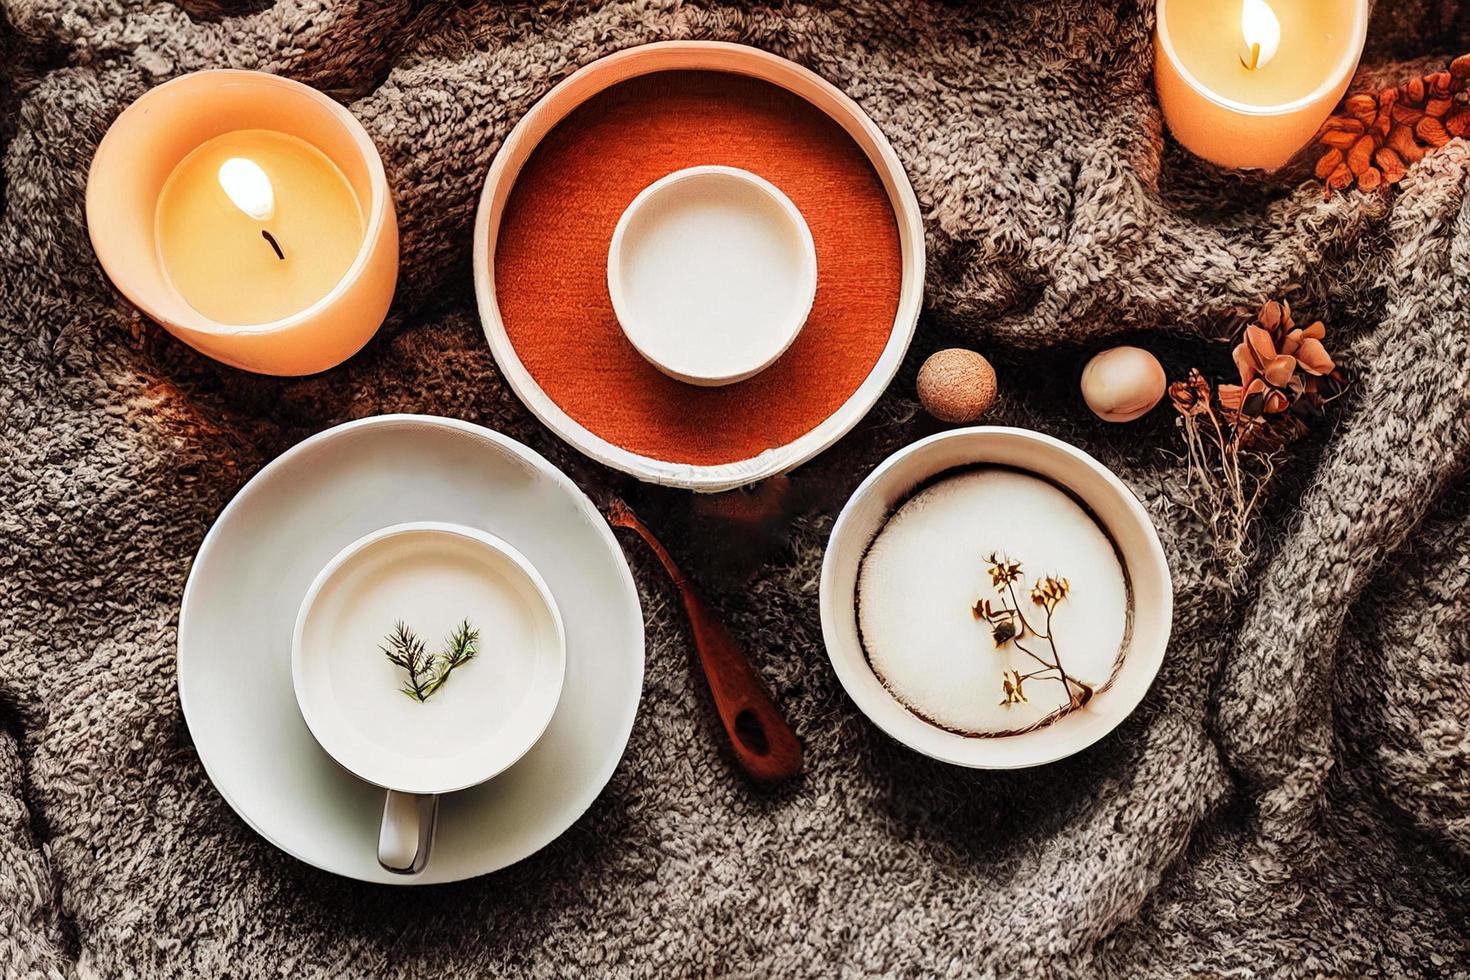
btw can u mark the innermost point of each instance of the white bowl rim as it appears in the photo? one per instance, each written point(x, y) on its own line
point(896, 720)
point(491, 542)
point(796, 315)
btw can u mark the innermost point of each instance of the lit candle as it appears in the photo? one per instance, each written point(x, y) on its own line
point(1247, 84)
point(250, 216)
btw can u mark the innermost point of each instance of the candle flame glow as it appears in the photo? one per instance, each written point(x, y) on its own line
point(248, 187)
point(1261, 32)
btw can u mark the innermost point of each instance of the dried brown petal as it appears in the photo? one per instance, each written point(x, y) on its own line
point(1458, 123)
point(1270, 314)
point(1230, 397)
point(1313, 357)
point(1260, 345)
point(1460, 68)
point(1391, 164)
point(1341, 178)
point(1370, 179)
point(1414, 91)
point(1280, 370)
point(1439, 83)
point(1316, 331)
point(1402, 141)
point(1291, 342)
point(1407, 115)
point(1363, 106)
point(1360, 157)
point(1437, 107)
point(1327, 163)
point(1346, 124)
point(1244, 363)
point(1339, 138)
point(1432, 131)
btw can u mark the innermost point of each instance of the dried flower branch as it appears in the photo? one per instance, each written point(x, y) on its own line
point(428, 672)
point(1374, 139)
point(1233, 435)
point(1008, 624)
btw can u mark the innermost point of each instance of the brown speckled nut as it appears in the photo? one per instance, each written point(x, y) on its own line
point(957, 385)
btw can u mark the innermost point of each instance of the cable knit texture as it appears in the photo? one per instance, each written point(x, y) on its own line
point(1292, 798)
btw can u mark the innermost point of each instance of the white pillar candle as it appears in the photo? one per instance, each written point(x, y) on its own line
point(250, 216)
point(1246, 83)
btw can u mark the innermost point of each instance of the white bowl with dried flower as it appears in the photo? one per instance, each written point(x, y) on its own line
point(995, 598)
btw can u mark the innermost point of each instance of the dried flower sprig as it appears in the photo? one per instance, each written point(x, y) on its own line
point(427, 672)
point(1233, 434)
point(1281, 367)
point(1009, 625)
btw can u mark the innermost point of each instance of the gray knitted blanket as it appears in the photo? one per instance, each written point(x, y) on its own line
point(1292, 799)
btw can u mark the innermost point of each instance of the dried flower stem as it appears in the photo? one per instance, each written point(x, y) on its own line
point(1008, 624)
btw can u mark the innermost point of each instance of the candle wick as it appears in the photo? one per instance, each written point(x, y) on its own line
point(1255, 56)
point(274, 244)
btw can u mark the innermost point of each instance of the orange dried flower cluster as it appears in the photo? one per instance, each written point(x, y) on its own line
point(1280, 364)
point(1375, 138)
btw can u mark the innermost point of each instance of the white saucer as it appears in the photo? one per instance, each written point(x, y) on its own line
point(259, 559)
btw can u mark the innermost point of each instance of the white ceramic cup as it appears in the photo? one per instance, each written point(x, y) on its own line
point(712, 274)
point(488, 713)
point(1112, 505)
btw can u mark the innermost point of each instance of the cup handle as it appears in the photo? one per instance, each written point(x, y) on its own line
point(407, 833)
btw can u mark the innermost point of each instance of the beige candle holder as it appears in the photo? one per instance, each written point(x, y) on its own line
point(151, 137)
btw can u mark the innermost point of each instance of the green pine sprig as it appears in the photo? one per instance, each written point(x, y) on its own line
point(429, 672)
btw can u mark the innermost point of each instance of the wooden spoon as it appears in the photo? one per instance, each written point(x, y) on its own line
point(764, 744)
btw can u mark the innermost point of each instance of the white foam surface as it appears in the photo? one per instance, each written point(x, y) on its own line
point(928, 566)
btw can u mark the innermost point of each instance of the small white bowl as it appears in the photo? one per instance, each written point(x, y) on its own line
point(712, 274)
point(1112, 505)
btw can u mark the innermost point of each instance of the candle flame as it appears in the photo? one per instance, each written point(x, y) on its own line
point(1261, 32)
point(248, 187)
